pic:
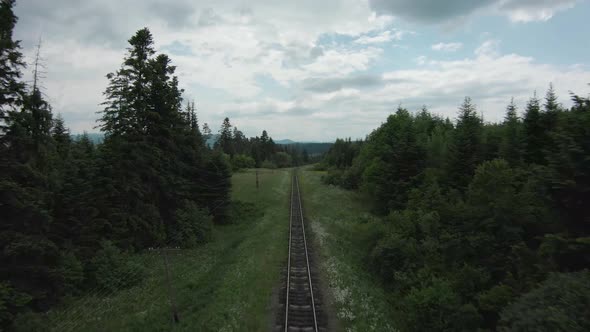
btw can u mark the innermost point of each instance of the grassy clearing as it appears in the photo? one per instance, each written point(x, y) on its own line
point(342, 227)
point(225, 285)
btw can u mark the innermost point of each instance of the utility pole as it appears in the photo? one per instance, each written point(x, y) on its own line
point(170, 288)
point(257, 179)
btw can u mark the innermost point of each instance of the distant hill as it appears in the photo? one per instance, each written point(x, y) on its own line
point(285, 142)
point(312, 148)
point(95, 138)
point(211, 141)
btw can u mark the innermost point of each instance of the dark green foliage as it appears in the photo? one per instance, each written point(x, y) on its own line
point(465, 150)
point(479, 216)
point(30, 322)
point(534, 133)
point(193, 226)
point(560, 303)
point(511, 147)
point(71, 272)
point(11, 63)
point(110, 269)
point(392, 159)
point(225, 142)
point(437, 307)
point(11, 302)
point(217, 180)
point(70, 208)
point(241, 161)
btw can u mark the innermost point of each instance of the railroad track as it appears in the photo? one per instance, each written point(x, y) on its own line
point(301, 300)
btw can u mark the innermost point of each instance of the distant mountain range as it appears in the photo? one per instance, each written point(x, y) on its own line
point(95, 138)
point(311, 147)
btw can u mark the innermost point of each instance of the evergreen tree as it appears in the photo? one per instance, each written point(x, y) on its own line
point(126, 105)
point(11, 64)
point(61, 137)
point(511, 146)
point(206, 131)
point(29, 259)
point(534, 133)
point(465, 147)
point(225, 141)
point(393, 158)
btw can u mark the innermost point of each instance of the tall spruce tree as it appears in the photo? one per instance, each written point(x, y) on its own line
point(465, 147)
point(28, 258)
point(511, 145)
point(11, 64)
point(225, 141)
point(534, 133)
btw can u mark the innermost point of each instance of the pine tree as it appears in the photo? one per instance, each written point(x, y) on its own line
point(465, 147)
point(392, 161)
point(126, 105)
point(534, 133)
point(61, 137)
point(511, 146)
point(11, 64)
point(225, 141)
point(24, 245)
point(206, 131)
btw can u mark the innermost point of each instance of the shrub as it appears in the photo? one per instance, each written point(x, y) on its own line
point(112, 269)
point(11, 302)
point(333, 177)
point(240, 161)
point(432, 308)
point(283, 159)
point(30, 322)
point(193, 226)
point(394, 253)
point(72, 273)
point(560, 303)
point(268, 164)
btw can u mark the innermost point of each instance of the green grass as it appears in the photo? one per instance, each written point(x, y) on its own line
point(225, 285)
point(343, 228)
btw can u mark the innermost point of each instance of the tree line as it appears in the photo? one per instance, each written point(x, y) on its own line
point(256, 151)
point(486, 226)
point(71, 210)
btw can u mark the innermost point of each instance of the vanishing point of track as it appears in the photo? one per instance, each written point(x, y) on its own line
point(300, 303)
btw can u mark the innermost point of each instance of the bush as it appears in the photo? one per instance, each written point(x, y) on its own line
point(72, 273)
point(433, 308)
point(320, 167)
point(268, 164)
point(393, 254)
point(333, 177)
point(193, 226)
point(112, 269)
point(11, 302)
point(240, 161)
point(283, 159)
point(560, 303)
point(30, 322)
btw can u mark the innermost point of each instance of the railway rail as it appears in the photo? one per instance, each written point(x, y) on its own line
point(302, 303)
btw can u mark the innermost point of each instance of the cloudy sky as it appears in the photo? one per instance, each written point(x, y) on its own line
point(315, 70)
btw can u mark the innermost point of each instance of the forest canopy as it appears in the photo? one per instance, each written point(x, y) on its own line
point(485, 225)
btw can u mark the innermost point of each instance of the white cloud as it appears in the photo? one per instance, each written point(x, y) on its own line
point(222, 49)
point(421, 60)
point(447, 47)
point(534, 10)
point(226, 44)
point(488, 48)
point(383, 37)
